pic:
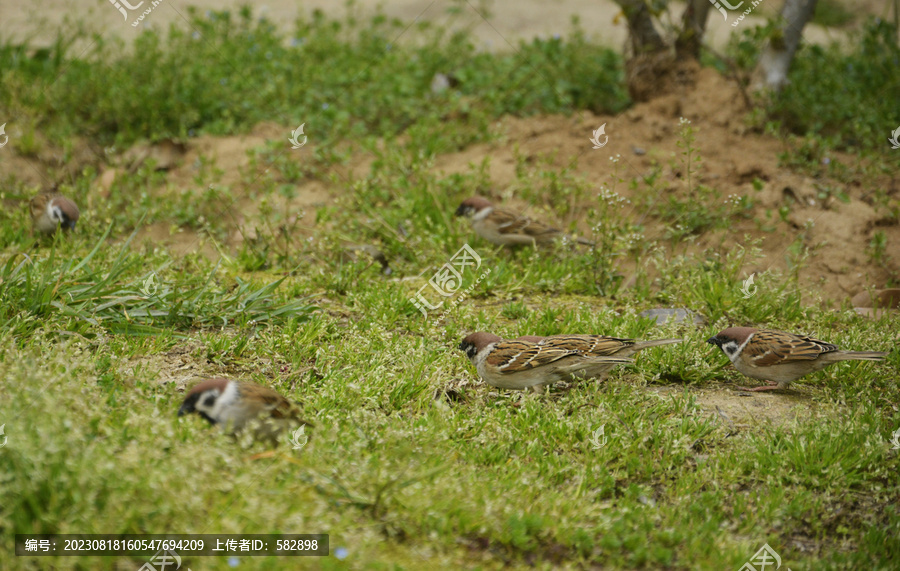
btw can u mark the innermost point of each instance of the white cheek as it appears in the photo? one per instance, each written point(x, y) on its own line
point(224, 402)
point(731, 349)
point(483, 214)
point(207, 409)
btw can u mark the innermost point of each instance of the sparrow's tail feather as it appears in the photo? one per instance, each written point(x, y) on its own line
point(610, 359)
point(655, 343)
point(863, 356)
point(584, 361)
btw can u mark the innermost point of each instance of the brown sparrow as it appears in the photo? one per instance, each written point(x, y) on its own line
point(49, 211)
point(598, 345)
point(519, 364)
point(506, 228)
point(781, 358)
point(235, 404)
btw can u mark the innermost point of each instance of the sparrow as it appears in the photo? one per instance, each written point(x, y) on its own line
point(50, 210)
point(597, 345)
point(779, 357)
point(521, 364)
point(233, 405)
point(506, 228)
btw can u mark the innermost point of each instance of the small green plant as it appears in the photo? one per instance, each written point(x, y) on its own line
point(842, 108)
point(833, 14)
point(877, 249)
point(515, 310)
point(696, 208)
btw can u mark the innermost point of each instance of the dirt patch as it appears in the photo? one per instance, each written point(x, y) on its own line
point(741, 410)
point(186, 362)
point(734, 158)
point(178, 241)
point(178, 365)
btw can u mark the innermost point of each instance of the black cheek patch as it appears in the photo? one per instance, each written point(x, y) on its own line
point(209, 401)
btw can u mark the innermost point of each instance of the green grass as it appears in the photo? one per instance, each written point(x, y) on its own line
point(345, 79)
point(838, 98)
point(413, 463)
point(833, 13)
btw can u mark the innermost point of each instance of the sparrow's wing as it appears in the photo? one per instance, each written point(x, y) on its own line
point(511, 223)
point(588, 344)
point(39, 204)
point(516, 356)
point(272, 401)
point(768, 348)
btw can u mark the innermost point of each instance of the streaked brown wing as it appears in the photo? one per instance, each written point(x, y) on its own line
point(774, 347)
point(283, 409)
point(274, 402)
point(510, 223)
point(516, 356)
point(588, 344)
point(39, 204)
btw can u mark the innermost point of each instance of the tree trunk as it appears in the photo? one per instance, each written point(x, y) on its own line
point(775, 61)
point(643, 34)
point(693, 26)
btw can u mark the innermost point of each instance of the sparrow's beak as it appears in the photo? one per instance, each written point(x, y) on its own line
point(186, 408)
point(712, 341)
point(461, 210)
point(68, 224)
